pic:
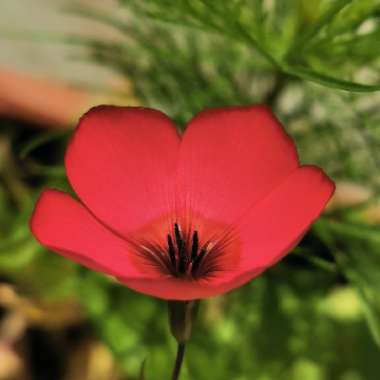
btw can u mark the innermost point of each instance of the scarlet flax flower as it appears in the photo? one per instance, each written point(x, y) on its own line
point(181, 217)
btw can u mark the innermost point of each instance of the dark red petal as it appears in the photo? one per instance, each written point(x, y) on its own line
point(65, 226)
point(121, 162)
point(275, 225)
point(231, 158)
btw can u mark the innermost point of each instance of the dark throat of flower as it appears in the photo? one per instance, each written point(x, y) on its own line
point(185, 259)
point(183, 253)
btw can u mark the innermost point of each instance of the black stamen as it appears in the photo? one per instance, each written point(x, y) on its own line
point(182, 265)
point(181, 249)
point(171, 251)
point(198, 260)
point(178, 237)
point(195, 246)
point(182, 259)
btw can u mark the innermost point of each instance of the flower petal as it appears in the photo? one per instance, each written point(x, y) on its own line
point(121, 162)
point(172, 288)
point(231, 158)
point(268, 231)
point(275, 225)
point(65, 226)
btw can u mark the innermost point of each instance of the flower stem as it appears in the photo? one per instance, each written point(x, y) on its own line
point(178, 361)
point(182, 316)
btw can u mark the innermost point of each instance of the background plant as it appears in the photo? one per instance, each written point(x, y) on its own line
point(316, 315)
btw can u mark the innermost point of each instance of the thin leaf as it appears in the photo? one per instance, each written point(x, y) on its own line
point(329, 81)
point(40, 140)
point(372, 318)
point(327, 17)
point(142, 370)
point(47, 170)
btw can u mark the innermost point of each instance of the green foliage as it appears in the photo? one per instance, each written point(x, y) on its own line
point(283, 325)
point(316, 62)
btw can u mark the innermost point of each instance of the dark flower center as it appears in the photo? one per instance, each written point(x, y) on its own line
point(183, 254)
point(185, 258)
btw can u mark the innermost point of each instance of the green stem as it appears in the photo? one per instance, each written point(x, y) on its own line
point(178, 361)
point(182, 316)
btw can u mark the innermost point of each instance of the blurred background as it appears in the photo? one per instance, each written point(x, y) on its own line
point(315, 315)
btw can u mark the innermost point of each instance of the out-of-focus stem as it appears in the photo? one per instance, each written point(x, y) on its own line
point(178, 361)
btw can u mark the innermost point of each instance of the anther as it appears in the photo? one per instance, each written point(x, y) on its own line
point(195, 246)
point(181, 249)
point(178, 237)
point(171, 251)
point(198, 260)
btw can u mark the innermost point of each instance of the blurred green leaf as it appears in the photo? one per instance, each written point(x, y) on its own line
point(326, 17)
point(16, 254)
point(142, 370)
point(328, 81)
point(353, 16)
point(39, 141)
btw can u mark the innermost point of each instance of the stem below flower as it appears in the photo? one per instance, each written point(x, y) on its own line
point(178, 361)
point(182, 316)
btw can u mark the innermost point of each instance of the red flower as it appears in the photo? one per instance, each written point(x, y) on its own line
point(181, 217)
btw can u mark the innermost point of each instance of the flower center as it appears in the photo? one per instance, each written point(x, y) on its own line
point(185, 252)
point(186, 255)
